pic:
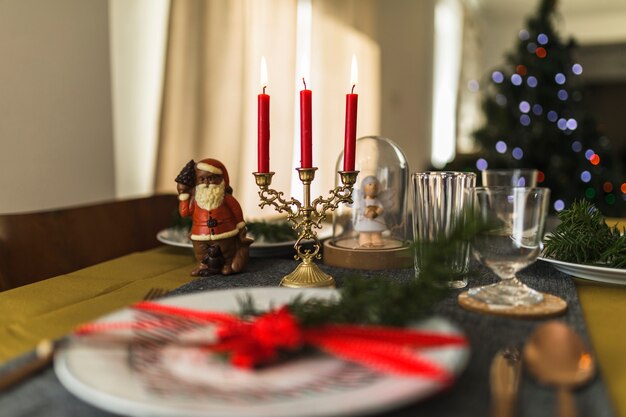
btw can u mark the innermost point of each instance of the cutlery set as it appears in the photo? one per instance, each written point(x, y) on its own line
point(554, 355)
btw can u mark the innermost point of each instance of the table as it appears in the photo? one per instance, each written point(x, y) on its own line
point(53, 307)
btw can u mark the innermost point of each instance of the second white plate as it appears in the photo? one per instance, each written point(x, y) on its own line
point(179, 237)
point(590, 272)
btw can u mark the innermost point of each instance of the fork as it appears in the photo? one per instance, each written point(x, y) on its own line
point(154, 293)
point(44, 352)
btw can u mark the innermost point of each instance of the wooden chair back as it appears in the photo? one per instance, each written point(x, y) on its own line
point(40, 245)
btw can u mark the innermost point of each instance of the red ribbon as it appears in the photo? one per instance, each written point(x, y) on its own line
point(261, 339)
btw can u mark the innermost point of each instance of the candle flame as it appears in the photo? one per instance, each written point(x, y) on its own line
point(263, 73)
point(354, 72)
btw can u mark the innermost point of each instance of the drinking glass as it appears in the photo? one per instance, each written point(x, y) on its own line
point(440, 199)
point(513, 220)
point(524, 177)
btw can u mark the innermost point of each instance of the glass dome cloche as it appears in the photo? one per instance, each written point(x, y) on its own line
point(372, 232)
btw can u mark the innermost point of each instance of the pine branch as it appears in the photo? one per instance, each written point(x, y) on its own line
point(272, 231)
point(584, 237)
point(379, 301)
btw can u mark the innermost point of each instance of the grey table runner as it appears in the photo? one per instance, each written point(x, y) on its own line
point(44, 396)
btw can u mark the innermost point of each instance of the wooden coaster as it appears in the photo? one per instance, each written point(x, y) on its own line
point(550, 306)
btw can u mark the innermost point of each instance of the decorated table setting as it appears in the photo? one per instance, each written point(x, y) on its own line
point(396, 318)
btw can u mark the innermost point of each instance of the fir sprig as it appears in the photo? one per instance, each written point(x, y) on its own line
point(379, 301)
point(583, 237)
point(272, 232)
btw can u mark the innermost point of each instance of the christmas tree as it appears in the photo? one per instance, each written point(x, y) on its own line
point(536, 118)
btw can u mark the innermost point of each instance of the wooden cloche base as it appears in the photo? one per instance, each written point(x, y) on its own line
point(397, 257)
point(550, 306)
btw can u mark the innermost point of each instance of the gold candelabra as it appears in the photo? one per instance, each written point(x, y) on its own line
point(305, 218)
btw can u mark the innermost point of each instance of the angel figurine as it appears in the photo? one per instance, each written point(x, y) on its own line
point(370, 222)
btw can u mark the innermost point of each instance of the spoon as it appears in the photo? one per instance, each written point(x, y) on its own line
point(556, 355)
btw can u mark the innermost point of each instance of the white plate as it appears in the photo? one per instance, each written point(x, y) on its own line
point(186, 382)
point(590, 272)
point(179, 237)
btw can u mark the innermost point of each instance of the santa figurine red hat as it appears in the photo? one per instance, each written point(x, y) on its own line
point(215, 167)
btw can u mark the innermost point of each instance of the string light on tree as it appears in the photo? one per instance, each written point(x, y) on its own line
point(536, 117)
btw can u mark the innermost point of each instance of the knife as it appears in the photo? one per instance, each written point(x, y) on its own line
point(504, 380)
point(43, 357)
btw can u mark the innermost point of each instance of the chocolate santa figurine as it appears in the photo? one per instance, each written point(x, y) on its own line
point(204, 194)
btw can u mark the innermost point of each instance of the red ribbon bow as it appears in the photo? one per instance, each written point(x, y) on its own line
point(260, 340)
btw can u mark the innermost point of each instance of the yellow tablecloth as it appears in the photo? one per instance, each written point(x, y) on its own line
point(604, 308)
point(52, 308)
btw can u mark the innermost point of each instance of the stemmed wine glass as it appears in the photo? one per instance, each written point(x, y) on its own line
point(514, 220)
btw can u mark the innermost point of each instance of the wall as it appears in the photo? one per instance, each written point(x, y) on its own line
point(56, 145)
point(138, 35)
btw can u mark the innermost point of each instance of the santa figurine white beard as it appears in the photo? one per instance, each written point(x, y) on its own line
point(209, 197)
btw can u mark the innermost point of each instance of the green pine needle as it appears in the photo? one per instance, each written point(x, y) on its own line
point(272, 232)
point(583, 237)
point(380, 301)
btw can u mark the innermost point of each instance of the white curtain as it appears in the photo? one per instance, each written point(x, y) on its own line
point(212, 81)
point(472, 81)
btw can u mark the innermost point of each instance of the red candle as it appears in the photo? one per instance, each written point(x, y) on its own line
point(305, 128)
point(352, 100)
point(263, 123)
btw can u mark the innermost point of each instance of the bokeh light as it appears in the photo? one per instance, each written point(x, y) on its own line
point(516, 79)
point(562, 94)
point(473, 85)
point(542, 38)
point(524, 120)
point(501, 146)
point(521, 69)
point(577, 69)
point(559, 205)
point(605, 142)
point(572, 124)
point(595, 159)
point(481, 164)
point(560, 78)
point(607, 187)
point(523, 35)
point(517, 153)
point(562, 124)
point(531, 47)
point(552, 116)
point(589, 153)
point(541, 177)
point(524, 106)
point(623, 187)
point(541, 52)
point(531, 81)
point(609, 198)
point(585, 176)
point(577, 146)
point(497, 77)
point(590, 193)
point(537, 109)
point(501, 100)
